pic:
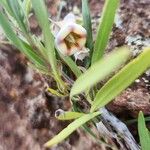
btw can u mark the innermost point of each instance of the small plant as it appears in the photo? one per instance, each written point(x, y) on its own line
point(55, 52)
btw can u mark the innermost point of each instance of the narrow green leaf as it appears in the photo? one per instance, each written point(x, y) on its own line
point(54, 92)
point(100, 70)
point(143, 132)
point(23, 47)
point(18, 14)
point(4, 4)
point(71, 64)
point(5, 24)
point(31, 55)
point(122, 80)
point(87, 24)
point(69, 115)
point(104, 28)
point(41, 69)
point(70, 128)
point(27, 6)
point(42, 17)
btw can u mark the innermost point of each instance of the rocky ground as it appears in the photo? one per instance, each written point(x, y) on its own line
point(27, 113)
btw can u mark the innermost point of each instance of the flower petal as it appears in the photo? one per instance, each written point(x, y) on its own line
point(69, 18)
point(81, 42)
point(61, 47)
point(64, 32)
point(78, 29)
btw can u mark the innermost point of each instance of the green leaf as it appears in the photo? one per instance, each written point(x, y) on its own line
point(18, 14)
point(54, 92)
point(23, 47)
point(31, 55)
point(104, 28)
point(72, 65)
point(122, 80)
point(27, 7)
point(143, 132)
point(42, 17)
point(87, 24)
point(70, 128)
point(5, 24)
point(4, 4)
point(41, 69)
point(69, 115)
point(100, 70)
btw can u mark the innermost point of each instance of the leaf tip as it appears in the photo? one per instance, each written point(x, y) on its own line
point(47, 145)
point(140, 114)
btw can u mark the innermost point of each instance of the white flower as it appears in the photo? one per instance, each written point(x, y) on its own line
point(70, 37)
